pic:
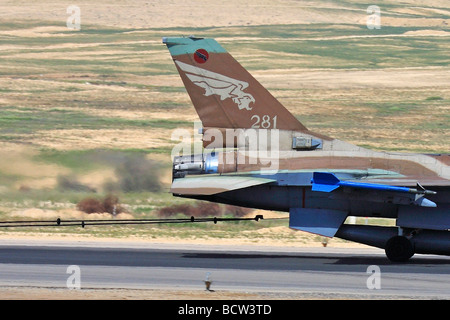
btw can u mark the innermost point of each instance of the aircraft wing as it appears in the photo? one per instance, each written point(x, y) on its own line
point(213, 184)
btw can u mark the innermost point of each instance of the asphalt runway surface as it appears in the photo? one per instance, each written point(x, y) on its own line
point(325, 272)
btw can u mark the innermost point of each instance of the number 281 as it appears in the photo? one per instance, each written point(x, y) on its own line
point(265, 122)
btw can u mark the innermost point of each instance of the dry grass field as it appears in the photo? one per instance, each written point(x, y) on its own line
point(79, 103)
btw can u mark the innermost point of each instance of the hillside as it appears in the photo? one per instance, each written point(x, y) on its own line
point(76, 104)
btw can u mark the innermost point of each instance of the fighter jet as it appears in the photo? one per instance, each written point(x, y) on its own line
point(257, 154)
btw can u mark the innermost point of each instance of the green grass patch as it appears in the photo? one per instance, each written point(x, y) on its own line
point(434, 98)
point(21, 121)
point(80, 161)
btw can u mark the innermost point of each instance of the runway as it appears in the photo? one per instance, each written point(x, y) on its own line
point(278, 272)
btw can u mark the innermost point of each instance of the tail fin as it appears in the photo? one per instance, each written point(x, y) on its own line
point(224, 94)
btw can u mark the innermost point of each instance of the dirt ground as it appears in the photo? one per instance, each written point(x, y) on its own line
point(189, 13)
point(29, 293)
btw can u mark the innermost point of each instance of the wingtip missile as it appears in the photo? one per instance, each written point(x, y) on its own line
point(327, 182)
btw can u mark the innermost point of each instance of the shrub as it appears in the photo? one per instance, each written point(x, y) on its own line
point(185, 209)
point(90, 205)
point(203, 209)
point(208, 209)
point(236, 211)
point(109, 204)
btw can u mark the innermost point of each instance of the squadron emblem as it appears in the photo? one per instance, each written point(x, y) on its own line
point(215, 83)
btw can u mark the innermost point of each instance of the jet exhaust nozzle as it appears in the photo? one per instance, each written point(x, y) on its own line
point(195, 164)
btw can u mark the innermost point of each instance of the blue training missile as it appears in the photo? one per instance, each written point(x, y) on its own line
point(327, 182)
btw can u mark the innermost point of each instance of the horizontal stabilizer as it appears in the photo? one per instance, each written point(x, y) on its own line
point(318, 221)
point(213, 184)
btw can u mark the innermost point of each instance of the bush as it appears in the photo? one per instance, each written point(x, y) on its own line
point(109, 204)
point(203, 209)
point(236, 211)
point(185, 209)
point(208, 209)
point(90, 205)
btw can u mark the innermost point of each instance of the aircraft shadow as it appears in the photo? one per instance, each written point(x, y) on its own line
point(319, 261)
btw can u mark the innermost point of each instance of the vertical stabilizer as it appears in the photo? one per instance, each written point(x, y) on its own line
point(224, 94)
